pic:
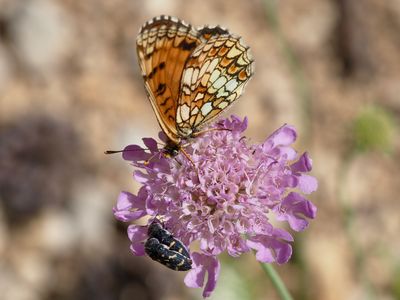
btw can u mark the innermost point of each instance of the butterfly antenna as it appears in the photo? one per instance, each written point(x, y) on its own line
point(113, 151)
point(124, 150)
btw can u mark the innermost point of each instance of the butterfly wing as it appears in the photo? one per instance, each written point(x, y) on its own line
point(213, 78)
point(163, 46)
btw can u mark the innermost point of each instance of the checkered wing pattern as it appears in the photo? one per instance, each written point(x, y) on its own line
point(163, 46)
point(213, 78)
point(191, 75)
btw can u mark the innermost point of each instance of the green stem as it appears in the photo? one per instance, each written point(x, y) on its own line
point(276, 281)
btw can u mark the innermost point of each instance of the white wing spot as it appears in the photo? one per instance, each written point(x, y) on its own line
point(242, 60)
point(188, 76)
point(233, 52)
point(195, 111)
point(197, 51)
point(223, 104)
point(183, 112)
point(204, 79)
point(232, 97)
point(231, 85)
point(206, 108)
point(229, 43)
point(207, 47)
point(220, 42)
point(222, 93)
point(204, 68)
point(199, 96)
point(195, 75)
point(219, 82)
point(186, 90)
point(213, 64)
point(215, 75)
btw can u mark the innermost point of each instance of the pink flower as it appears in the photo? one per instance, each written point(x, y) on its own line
point(226, 200)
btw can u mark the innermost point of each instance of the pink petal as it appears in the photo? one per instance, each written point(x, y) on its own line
point(295, 209)
point(274, 248)
point(151, 144)
point(304, 164)
point(195, 277)
point(284, 136)
point(213, 269)
point(134, 153)
point(140, 176)
point(307, 184)
point(201, 264)
point(137, 234)
point(124, 212)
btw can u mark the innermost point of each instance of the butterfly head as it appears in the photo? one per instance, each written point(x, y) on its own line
point(171, 149)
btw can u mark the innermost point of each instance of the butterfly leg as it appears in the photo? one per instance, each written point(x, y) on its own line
point(188, 157)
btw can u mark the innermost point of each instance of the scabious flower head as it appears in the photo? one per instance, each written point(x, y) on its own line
point(226, 201)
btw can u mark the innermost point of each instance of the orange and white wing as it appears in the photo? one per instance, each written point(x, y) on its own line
point(214, 77)
point(163, 45)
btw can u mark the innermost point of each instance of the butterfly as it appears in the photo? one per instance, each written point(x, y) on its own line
point(164, 248)
point(190, 74)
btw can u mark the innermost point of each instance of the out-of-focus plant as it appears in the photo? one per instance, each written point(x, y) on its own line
point(373, 129)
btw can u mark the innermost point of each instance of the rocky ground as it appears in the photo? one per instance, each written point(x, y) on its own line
point(70, 88)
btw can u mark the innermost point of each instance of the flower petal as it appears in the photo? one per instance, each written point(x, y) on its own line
point(214, 268)
point(151, 144)
point(304, 164)
point(137, 234)
point(195, 277)
point(140, 176)
point(202, 264)
point(295, 209)
point(274, 248)
point(307, 184)
point(134, 153)
point(126, 202)
point(288, 153)
point(283, 136)
point(225, 202)
point(162, 136)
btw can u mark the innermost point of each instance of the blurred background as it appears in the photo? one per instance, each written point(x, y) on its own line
point(70, 88)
